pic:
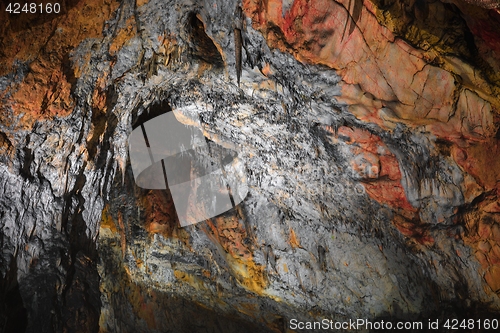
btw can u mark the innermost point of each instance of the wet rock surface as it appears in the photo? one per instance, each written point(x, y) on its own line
point(368, 136)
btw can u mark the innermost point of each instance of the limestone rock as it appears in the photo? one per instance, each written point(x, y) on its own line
point(368, 132)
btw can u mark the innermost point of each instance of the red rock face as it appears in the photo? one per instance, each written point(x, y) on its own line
point(387, 80)
point(380, 69)
point(376, 61)
point(381, 177)
point(377, 166)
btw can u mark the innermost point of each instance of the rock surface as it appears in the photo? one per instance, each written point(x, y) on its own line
point(369, 132)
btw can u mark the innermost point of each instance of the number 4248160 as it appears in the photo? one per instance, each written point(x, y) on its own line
point(485, 324)
point(33, 8)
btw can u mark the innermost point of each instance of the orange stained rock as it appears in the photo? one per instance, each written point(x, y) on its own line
point(484, 246)
point(45, 43)
point(370, 56)
point(387, 81)
point(495, 232)
point(160, 217)
point(384, 183)
point(6, 148)
point(483, 235)
point(494, 255)
point(230, 234)
point(249, 275)
point(492, 207)
point(123, 36)
point(227, 231)
point(404, 84)
point(482, 161)
point(390, 193)
point(141, 2)
point(483, 260)
point(99, 100)
point(386, 187)
point(293, 240)
point(414, 230)
point(492, 277)
point(44, 93)
point(266, 70)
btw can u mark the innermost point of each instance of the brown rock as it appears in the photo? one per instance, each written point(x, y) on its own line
point(494, 255)
point(484, 230)
point(484, 246)
point(495, 230)
point(492, 277)
point(45, 91)
point(483, 260)
point(493, 207)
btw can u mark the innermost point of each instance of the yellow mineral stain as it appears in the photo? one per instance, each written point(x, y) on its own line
point(123, 239)
point(228, 234)
point(294, 241)
point(249, 275)
point(249, 309)
point(190, 279)
point(107, 221)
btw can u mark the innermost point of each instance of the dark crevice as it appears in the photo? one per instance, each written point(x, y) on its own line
point(104, 123)
point(13, 314)
point(153, 111)
point(80, 293)
point(444, 146)
point(26, 166)
point(471, 44)
point(322, 258)
point(68, 72)
point(202, 46)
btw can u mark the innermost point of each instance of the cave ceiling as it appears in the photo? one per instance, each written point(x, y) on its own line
point(359, 143)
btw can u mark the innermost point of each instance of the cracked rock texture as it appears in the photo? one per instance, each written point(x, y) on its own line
point(368, 132)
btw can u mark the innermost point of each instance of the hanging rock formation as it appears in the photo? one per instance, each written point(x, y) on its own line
point(368, 132)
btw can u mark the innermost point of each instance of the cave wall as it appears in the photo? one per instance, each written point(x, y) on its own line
point(369, 135)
